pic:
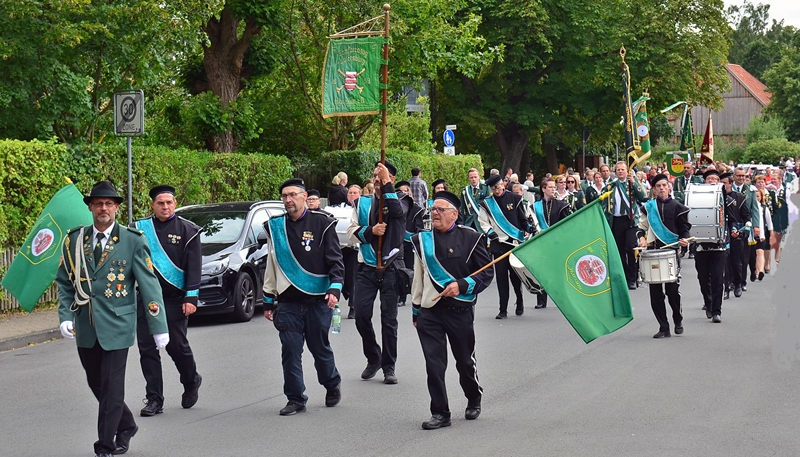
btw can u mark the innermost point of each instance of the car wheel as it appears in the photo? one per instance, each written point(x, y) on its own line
point(244, 298)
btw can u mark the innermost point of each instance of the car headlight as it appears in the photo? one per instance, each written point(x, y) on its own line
point(216, 267)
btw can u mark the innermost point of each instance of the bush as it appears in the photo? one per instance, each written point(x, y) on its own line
point(770, 151)
point(764, 128)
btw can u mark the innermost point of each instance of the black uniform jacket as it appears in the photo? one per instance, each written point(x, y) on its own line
point(675, 217)
point(512, 210)
point(179, 239)
point(553, 211)
point(394, 215)
point(414, 215)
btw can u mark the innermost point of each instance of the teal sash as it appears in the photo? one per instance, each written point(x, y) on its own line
point(502, 222)
point(437, 272)
point(364, 205)
point(306, 282)
point(537, 207)
point(472, 205)
point(661, 231)
point(171, 273)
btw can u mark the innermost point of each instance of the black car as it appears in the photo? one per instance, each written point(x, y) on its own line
point(233, 259)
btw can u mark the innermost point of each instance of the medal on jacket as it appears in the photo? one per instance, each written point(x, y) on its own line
point(510, 206)
point(308, 237)
point(174, 239)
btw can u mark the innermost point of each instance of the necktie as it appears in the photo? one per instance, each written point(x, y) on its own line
point(474, 191)
point(98, 249)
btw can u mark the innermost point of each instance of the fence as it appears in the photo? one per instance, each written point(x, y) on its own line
point(7, 301)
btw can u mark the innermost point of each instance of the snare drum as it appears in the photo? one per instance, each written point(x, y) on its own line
point(658, 266)
point(707, 214)
point(524, 275)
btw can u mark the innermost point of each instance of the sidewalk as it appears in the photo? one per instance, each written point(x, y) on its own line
point(19, 331)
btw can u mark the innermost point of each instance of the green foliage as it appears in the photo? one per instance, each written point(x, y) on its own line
point(404, 131)
point(31, 173)
point(770, 151)
point(783, 81)
point(764, 128)
point(661, 129)
point(757, 44)
point(729, 149)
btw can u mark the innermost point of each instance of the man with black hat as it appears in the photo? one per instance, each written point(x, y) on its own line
point(313, 201)
point(471, 197)
point(739, 213)
point(303, 279)
point(503, 220)
point(664, 221)
point(97, 306)
point(379, 230)
point(444, 293)
point(414, 225)
point(175, 244)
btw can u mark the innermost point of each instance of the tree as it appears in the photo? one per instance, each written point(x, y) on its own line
point(756, 44)
point(783, 81)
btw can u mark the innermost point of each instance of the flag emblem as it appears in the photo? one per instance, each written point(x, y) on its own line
point(643, 131)
point(587, 271)
point(42, 241)
point(591, 270)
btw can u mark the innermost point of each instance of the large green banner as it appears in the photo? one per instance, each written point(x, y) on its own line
point(350, 80)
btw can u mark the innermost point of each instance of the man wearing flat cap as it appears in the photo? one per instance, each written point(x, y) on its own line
point(664, 220)
point(502, 218)
point(367, 228)
point(444, 293)
point(177, 259)
point(97, 306)
point(302, 285)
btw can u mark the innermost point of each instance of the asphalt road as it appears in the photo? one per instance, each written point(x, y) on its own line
point(713, 391)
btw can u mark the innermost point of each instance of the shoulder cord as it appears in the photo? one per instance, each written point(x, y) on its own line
point(81, 297)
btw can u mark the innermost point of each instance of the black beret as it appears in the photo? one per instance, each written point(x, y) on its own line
point(389, 166)
point(709, 173)
point(725, 175)
point(657, 178)
point(103, 189)
point(313, 192)
point(437, 182)
point(293, 182)
point(449, 196)
point(163, 189)
point(399, 184)
point(493, 180)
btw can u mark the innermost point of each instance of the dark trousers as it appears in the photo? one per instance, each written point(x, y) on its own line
point(735, 262)
point(673, 293)
point(541, 298)
point(178, 349)
point(625, 237)
point(408, 262)
point(368, 287)
point(711, 267)
point(105, 373)
point(435, 326)
point(350, 257)
point(309, 323)
point(502, 272)
point(750, 259)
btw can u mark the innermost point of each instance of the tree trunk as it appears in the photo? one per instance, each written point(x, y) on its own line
point(223, 60)
point(550, 154)
point(512, 141)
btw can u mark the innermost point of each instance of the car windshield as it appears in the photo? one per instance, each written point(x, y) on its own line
point(218, 227)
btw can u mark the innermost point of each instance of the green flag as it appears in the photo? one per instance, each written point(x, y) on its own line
point(577, 262)
point(687, 136)
point(350, 83)
point(642, 127)
point(34, 268)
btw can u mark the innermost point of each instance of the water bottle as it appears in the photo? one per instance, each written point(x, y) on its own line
point(336, 321)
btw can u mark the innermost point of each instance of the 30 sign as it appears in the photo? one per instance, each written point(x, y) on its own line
point(129, 113)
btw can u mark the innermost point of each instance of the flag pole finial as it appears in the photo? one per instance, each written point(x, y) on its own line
point(69, 181)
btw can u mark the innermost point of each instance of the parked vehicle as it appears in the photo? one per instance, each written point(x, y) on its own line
point(233, 258)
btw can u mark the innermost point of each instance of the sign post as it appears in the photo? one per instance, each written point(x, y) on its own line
point(129, 122)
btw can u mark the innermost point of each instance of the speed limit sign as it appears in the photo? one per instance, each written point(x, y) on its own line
point(129, 112)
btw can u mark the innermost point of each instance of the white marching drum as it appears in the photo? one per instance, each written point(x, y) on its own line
point(707, 215)
point(342, 215)
point(658, 266)
point(525, 276)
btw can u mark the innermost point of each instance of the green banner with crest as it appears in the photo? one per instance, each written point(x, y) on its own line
point(350, 79)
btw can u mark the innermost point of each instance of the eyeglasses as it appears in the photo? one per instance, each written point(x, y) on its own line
point(570, 182)
point(104, 204)
point(441, 210)
point(293, 195)
point(313, 199)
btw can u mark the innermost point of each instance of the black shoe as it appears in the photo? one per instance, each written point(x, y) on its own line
point(691, 255)
point(752, 276)
point(123, 440)
point(190, 396)
point(103, 454)
point(716, 319)
point(662, 335)
point(292, 408)
point(389, 377)
point(540, 305)
point(737, 292)
point(520, 310)
point(501, 315)
point(761, 276)
point(370, 371)
point(744, 287)
point(436, 421)
point(473, 411)
point(708, 313)
point(333, 396)
point(727, 295)
point(705, 307)
point(151, 407)
point(401, 304)
point(679, 329)
point(683, 254)
point(631, 285)
point(352, 313)
point(766, 271)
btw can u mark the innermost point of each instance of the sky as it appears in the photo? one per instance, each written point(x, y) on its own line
point(788, 10)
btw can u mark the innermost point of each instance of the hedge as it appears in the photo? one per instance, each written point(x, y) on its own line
point(360, 164)
point(770, 151)
point(31, 173)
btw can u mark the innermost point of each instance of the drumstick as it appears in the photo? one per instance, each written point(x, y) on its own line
point(665, 246)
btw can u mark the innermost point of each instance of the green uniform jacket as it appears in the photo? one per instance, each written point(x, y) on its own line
point(125, 260)
point(469, 211)
point(639, 197)
point(780, 210)
point(681, 183)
